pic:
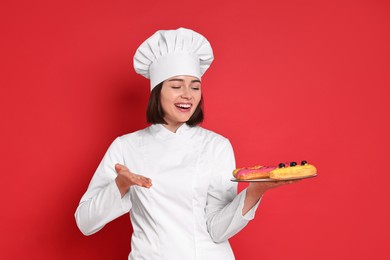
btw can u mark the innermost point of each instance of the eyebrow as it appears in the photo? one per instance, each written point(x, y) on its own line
point(182, 80)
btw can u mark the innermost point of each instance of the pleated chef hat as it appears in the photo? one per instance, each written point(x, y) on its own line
point(169, 53)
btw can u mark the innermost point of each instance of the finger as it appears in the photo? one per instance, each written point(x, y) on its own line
point(144, 184)
point(287, 182)
point(142, 181)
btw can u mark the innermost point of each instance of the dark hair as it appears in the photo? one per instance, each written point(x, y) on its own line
point(155, 113)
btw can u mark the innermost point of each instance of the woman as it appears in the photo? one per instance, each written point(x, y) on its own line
point(192, 208)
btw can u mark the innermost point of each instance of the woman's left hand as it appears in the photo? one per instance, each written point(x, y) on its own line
point(260, 187)
point(256, 189)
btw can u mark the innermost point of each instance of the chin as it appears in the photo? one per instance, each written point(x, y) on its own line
point(184, 121)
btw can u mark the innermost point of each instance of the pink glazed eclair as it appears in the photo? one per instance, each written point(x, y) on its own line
point(251, 173)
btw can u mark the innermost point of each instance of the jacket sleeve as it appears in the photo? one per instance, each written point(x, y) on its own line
point(224, 206)
point(102, 201)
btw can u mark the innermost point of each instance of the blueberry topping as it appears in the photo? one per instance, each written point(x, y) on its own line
point(303, 163)
point(293, 163)
point(282, 165)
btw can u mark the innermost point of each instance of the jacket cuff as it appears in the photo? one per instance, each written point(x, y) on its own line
point(124, 202)
point(251, 213)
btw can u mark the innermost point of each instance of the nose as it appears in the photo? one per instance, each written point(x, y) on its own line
point(186, 94)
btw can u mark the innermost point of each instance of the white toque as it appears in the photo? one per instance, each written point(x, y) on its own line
point(169, 53)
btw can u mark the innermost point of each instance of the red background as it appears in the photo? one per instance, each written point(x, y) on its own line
point(291, 80)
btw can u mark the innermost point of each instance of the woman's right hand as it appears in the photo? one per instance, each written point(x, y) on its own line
point(125, 179)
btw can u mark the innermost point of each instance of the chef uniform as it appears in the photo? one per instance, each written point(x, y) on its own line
point(193, 208)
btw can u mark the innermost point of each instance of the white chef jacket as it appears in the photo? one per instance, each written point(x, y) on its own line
point(191, 210)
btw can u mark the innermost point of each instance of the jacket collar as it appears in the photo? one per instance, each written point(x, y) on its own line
point(161, 131)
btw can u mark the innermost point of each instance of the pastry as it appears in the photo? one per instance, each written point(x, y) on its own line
point(284, 171)
point(292, 170)
point(251, 173)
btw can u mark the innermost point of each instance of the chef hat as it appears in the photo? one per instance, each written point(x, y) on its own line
point(169, 53)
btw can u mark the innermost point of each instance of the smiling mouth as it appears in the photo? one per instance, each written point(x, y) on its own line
point(183, 106)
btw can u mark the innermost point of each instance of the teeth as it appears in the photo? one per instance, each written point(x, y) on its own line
point(184, 105)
